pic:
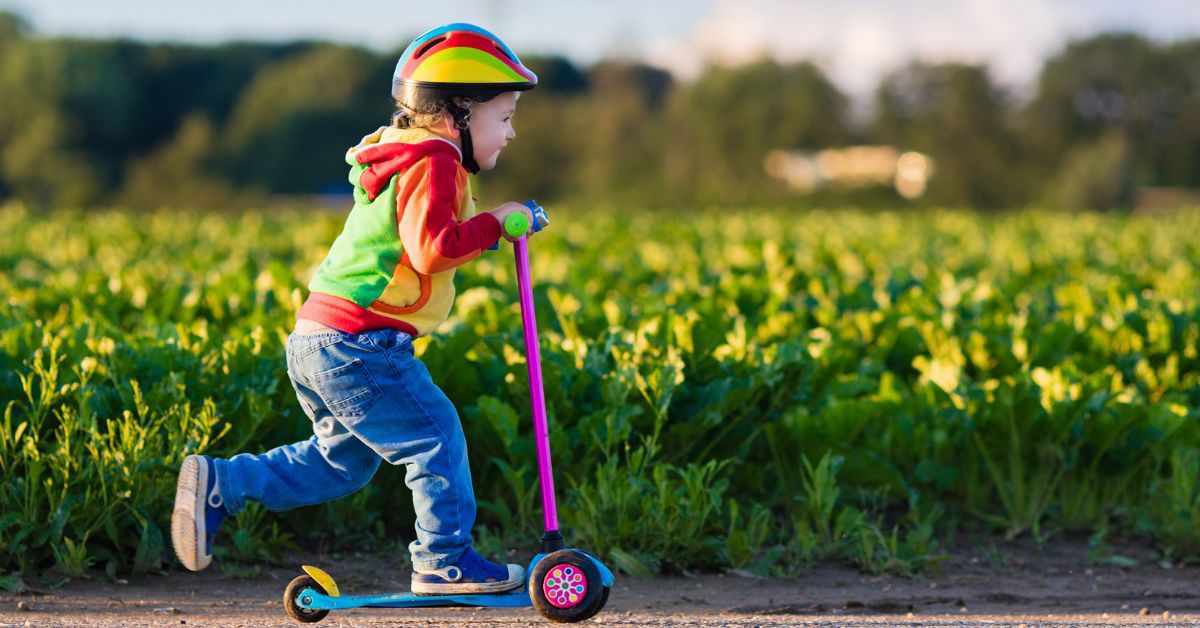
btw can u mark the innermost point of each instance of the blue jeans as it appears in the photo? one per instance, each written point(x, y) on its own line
point(369, 399)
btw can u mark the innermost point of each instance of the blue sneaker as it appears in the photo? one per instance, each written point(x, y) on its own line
point(472, 573)
point(199, 510)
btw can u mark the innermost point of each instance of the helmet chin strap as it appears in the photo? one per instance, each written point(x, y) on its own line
point(468, 149)
point(462, 121)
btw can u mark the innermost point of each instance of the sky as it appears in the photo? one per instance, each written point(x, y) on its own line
point(855, 41)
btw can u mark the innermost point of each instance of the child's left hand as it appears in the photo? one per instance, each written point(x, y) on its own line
point(505, 210)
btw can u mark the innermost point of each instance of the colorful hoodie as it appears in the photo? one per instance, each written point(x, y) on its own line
point(412, 223)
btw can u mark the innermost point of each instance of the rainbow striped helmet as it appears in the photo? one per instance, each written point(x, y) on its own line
point(460, 57)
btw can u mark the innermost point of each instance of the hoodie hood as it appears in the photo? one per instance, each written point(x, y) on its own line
point(380, 155)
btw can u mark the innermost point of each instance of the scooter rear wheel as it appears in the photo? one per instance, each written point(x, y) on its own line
point(291, 597)
point(566, 586)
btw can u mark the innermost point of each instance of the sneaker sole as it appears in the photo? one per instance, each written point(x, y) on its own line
point(515, 581)
point(187, 520)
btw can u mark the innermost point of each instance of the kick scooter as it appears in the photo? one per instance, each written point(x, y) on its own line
point(563, 584)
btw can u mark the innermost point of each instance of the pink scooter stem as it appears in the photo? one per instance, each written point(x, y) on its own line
point(533, 359)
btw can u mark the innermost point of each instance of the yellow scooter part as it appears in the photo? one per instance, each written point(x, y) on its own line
point(323, 579)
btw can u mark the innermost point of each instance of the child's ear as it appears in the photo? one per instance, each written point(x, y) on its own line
point(449, 127)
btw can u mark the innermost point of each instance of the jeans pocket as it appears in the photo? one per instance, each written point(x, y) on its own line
point(348, 390)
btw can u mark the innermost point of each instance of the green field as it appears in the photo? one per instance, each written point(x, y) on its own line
point(754, 390)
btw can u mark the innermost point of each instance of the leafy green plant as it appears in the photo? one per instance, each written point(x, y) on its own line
point(746, 546)
point(1176, 512)
point(72, 559)
point(251, 538)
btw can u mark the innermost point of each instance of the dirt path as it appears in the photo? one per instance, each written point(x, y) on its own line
point(1012, 586)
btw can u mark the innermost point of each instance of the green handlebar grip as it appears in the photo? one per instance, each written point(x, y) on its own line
point(516, 224)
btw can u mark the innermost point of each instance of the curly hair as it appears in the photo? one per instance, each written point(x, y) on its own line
point(425, 107)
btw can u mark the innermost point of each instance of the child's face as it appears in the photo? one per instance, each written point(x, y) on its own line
point(491, 128)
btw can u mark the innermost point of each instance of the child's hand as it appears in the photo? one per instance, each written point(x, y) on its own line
point(503, 212)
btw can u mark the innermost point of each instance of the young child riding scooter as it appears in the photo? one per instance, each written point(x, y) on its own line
point(388, 278)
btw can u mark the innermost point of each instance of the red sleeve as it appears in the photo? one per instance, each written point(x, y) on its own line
point(427, 201)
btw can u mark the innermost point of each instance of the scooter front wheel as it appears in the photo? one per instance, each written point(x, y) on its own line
point(566, 586)
point(291, 598)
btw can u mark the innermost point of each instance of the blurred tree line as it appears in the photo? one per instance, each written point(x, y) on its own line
point(86, 122)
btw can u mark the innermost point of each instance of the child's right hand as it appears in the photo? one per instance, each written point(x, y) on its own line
point(503, 212)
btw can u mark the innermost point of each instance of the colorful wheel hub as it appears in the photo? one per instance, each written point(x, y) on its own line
point(565, 586)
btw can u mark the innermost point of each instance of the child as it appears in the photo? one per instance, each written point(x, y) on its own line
point(387, 279)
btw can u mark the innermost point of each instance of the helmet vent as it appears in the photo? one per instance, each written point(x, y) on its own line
point(504, 52)
point(424, 49)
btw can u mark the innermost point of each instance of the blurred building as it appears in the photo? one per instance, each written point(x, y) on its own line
point(1151, 198)
point(852, 167)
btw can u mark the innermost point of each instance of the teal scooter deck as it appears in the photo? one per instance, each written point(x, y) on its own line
point(313, 600)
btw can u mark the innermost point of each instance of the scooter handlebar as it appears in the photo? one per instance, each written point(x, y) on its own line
point(540, 219)
point(517, 225)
